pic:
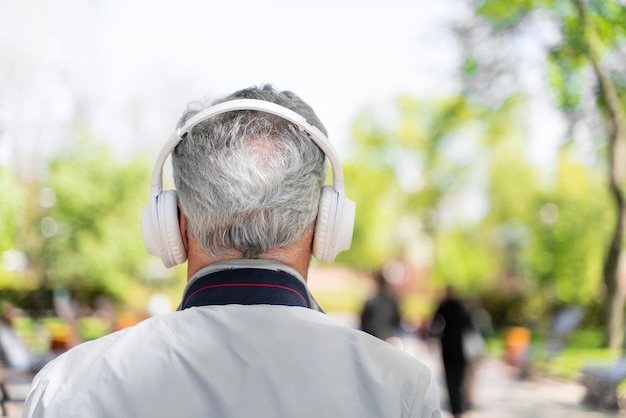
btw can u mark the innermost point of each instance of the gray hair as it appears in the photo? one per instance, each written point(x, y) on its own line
point(247, 180)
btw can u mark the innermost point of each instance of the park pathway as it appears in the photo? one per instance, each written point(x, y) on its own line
point(499, 393)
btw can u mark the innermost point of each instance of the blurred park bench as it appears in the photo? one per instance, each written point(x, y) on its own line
point(602, 381)
point(601, 384)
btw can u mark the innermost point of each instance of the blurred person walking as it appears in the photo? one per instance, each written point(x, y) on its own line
point(380, 315)
point(450, 322)
point(248, 340)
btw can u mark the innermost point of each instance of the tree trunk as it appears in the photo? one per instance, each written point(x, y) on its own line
point(614, 307)
point(616, 128)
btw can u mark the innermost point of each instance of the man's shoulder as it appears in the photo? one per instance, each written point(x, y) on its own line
point(77, 368)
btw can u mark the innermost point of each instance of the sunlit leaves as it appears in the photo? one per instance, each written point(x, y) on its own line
point(568, 245)
point(567, 83)
point(410, 165)
point(98, 247)
point(13, 201)
point(464, 259)
point(14, 261)
point(470, 66)
point(609, 19)
point(504, 14)
point(604, 25)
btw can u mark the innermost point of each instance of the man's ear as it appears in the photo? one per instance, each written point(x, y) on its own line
point(182, 225)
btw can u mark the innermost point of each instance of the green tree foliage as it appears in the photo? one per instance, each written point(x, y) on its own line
point(540, 242)
point(406, 168)
point(13, 202)
point(512, 185)
point(592, 37)
point(465, 258)
point(13, 262)
point(374, 188)
point(79, 227)
point(573, 233)
point(92, 239)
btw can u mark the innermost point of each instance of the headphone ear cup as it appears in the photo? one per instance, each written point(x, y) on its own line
point(173, 249)
point(334, 226)
point(161, 233)
point(322, 225)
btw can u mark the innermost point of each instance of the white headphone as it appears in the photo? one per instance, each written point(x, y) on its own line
point(335, 218)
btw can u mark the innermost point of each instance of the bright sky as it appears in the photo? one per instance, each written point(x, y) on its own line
point(129, 67)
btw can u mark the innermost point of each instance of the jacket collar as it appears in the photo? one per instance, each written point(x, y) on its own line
point(247, 282)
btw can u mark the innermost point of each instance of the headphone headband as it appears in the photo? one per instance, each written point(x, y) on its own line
point(335, 217)
point(248, 104)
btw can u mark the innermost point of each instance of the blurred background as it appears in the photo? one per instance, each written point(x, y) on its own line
point(483, 142)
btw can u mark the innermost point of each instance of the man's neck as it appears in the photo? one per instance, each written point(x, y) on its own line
point(296, 255)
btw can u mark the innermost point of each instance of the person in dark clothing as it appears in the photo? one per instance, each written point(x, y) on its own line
point(380, 315)
point(450, 321)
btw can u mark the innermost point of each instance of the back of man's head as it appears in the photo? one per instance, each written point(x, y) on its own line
point(249, 181)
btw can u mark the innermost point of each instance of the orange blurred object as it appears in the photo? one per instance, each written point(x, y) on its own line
point(517, 341)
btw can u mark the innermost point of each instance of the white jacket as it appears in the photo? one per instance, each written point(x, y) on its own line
point(238, 361)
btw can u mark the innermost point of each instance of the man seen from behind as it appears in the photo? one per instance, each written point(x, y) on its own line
point(248, 340)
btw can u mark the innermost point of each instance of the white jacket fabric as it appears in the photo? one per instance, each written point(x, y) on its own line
point(233, 360)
